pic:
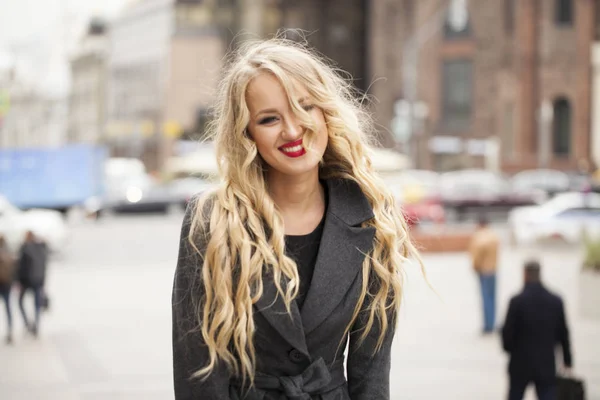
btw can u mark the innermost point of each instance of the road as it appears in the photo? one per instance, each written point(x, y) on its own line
point(108, 333)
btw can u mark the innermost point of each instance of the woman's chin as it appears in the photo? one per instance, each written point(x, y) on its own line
point(296, 167)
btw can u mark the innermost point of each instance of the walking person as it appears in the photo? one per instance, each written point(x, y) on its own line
point(31, 275)
point(535, 324)
point(484, 258)
point(297, 253)
point(7, 274)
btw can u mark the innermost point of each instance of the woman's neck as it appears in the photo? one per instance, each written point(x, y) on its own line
point(300, 199)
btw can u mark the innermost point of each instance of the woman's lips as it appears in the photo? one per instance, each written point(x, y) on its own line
point(293, 149)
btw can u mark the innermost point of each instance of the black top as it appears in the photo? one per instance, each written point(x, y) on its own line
point(303, 249)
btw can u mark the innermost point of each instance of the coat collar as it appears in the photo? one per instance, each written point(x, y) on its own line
point(348, 202)
point(343, 247)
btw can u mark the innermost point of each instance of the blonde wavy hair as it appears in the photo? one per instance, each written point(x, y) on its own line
point(242, 230)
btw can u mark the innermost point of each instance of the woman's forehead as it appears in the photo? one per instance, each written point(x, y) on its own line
point(267, 88)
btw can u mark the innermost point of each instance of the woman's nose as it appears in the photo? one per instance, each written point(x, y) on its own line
point(292, 130)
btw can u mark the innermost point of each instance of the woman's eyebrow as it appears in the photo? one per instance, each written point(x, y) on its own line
point(273, 110)
point(267, 111)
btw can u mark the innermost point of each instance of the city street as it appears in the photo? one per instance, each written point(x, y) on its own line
point(108, 333)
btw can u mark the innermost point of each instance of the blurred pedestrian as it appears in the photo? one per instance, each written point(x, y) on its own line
point(298, 252)
point(32, 274)
point(535, 324)
point(7, 275)
point(484, 258)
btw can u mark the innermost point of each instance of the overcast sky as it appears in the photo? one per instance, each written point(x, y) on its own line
point(37, 36)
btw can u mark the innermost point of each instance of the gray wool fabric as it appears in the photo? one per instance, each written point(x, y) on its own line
point(298, 357)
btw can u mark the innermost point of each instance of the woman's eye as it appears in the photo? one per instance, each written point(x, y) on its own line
point(267, 120)
point(308, 107)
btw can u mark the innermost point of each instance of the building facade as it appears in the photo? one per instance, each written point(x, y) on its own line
point(504, 83)
point(163, 65)
point(29, 117)
point(595, 145)
point(87, 102)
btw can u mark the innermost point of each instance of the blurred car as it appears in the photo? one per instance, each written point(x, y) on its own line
point(416, 191)
point(474, 189)
point(566, 216)
point(138, 194)
point(579, 182)
point(183, 189)
point(424, 212)
point(48, 225)
point(543, 183)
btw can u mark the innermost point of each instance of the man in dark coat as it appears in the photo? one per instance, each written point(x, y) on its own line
point(31, 275)
point(535, 324)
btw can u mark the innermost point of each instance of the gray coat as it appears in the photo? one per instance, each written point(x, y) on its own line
point(298, 357)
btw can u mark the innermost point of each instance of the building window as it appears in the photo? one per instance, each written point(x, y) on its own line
point(561, 127)
point(457, 94)
point(564, 12)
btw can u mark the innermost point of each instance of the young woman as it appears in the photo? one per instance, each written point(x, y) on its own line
point(298, 253)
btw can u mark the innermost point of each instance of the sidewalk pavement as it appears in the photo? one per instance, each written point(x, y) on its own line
point(108, 333)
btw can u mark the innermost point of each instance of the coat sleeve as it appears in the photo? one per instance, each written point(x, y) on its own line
point(563, 336)
point(368, 373)
point(509, 330)
point(189, 351)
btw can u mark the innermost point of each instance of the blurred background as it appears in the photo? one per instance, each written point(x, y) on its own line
point(481, 106)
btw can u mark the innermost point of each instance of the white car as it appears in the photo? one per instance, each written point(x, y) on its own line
point(48, 225)
point(566, 217)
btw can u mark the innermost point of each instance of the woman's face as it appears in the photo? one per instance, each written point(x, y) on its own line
point(276, 130)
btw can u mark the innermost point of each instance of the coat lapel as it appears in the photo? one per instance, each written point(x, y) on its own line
point(342, 251)
point(272, 307)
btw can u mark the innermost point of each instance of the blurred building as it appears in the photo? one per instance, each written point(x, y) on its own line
point(164, 63)
point(28, 116)
point(487, 82)
point(87, 103)
point(336, 28)
point(596, 87)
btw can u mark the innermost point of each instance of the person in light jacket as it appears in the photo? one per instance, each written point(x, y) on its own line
point(483, 249)
point(297, 252)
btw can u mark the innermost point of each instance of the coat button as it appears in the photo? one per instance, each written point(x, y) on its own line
point(296, 356)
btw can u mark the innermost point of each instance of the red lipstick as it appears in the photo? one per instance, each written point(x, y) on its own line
point(293, 149)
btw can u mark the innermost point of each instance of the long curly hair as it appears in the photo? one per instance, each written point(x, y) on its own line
point(242, 229)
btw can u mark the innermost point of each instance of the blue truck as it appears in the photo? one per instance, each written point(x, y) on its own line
point(52, 178)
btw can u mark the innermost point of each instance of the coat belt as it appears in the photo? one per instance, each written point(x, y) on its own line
point(315, 379)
